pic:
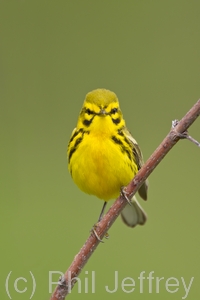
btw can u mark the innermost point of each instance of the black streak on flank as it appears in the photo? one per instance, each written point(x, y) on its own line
point(75, 134)
point(128, 154)
point(130, 166)
point(120, 131)
point(124, 149)
point(116, 121)
point(117, 141)
point(78, 141)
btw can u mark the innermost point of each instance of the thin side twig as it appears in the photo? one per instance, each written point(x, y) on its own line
point(67, 282)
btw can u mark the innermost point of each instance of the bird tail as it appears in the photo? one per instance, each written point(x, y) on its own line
point(133, 214)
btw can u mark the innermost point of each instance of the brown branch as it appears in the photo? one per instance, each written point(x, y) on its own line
point(178, 131)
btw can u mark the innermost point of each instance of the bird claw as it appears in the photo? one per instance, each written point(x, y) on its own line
point(97, 236)
point(124, 194)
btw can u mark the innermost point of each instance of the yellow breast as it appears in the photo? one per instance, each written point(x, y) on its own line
point(100, 168)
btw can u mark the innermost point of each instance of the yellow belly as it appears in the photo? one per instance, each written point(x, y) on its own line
point(100, 168)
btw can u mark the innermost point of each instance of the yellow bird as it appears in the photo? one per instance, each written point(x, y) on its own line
point(103, 157)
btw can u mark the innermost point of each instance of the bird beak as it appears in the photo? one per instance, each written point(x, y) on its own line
point(102, 112)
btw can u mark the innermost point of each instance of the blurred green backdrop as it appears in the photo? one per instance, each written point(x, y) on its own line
point(52, 53)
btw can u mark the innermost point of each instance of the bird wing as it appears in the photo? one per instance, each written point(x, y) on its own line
point(139, 161)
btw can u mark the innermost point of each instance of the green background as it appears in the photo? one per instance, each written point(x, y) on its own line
point(51, 54)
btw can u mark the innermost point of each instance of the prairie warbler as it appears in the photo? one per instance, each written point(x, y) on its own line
point(103, 156)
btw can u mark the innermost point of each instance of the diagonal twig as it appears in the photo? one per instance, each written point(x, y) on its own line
point(178, 131)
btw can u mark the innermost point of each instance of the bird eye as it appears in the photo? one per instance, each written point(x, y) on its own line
point(114, 110)
point(88, 111)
